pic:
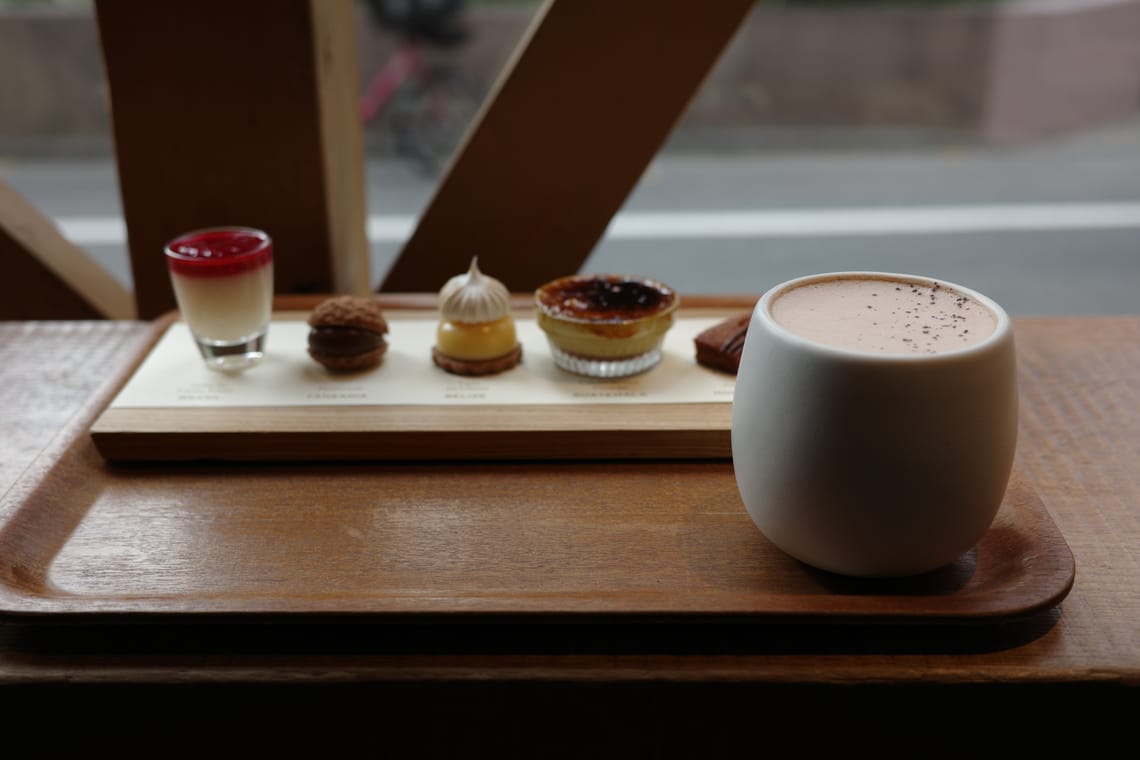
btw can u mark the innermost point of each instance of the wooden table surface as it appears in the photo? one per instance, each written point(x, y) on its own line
point(1079, 445)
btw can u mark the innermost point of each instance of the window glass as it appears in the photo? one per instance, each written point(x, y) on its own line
point(993, 143)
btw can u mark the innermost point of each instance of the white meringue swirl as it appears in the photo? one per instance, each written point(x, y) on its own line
point(474, 298)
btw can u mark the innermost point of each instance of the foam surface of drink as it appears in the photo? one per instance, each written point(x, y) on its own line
point(884, 316)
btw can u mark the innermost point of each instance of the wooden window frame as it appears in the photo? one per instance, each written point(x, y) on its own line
point(246, 113)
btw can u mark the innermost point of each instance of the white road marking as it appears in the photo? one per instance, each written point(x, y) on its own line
point(927, 220)
point(800, 223)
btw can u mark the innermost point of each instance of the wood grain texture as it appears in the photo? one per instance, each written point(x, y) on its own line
point(1077, 449)
point(587, 101)
point(45, 276)
point(238, 114)
point(496, 543)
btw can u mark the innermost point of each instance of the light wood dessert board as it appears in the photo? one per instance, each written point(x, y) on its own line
point(172, 408)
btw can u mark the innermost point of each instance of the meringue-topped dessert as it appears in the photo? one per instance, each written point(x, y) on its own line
point(476, 333)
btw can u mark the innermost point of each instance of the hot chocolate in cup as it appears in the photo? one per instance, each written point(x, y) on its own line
point(874, 420)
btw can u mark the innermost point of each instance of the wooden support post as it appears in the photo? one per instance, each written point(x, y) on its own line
point(593, 92)
point(45, 275)
point(239, 113)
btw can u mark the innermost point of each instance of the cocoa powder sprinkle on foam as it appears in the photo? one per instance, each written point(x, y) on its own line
point(838, 312)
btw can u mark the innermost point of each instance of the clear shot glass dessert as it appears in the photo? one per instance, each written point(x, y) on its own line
point(223, 282)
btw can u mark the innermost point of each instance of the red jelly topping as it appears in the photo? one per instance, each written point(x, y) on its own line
point(219, 252)
point(605, 298)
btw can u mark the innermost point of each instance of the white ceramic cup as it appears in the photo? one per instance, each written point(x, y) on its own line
point(868, 463)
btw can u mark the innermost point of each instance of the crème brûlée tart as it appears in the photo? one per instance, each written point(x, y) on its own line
point(476, 333)
point(605, 325)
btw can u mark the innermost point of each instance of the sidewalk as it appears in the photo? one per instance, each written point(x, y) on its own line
point(1052, 228)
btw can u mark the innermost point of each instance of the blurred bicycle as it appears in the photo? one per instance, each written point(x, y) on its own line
point(420, 96)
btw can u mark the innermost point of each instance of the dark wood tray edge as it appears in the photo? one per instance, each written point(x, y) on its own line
point(1053, 574)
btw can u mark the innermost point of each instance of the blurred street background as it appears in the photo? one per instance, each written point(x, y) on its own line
point(1029, 202)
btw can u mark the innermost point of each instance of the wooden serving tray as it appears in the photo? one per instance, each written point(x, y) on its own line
point(633, 540)
point(553, 425)
point(463, 542)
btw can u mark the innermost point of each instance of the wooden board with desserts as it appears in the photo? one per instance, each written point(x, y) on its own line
point(587, 367)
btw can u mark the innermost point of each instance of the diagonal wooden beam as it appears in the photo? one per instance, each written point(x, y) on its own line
point(239, 113)
point(45, 275)
point(593, 92)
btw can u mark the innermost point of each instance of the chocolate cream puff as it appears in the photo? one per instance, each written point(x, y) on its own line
point(348, 333)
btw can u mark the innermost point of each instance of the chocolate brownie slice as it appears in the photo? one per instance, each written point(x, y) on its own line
point(719, 346)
